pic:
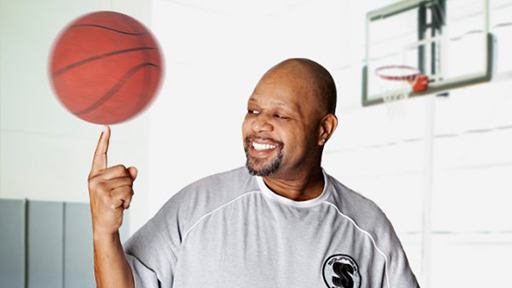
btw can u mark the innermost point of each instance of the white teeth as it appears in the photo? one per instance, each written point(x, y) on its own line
point(259, 146)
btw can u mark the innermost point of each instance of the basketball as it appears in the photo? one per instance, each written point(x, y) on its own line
point(105, 67)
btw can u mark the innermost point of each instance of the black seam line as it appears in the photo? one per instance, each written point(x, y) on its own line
point(116, 87)
point(97, 57)
point(110, 29)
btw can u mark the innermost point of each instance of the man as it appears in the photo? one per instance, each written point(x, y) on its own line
point(281, 221)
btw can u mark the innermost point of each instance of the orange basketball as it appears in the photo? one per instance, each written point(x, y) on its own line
point(105, 67)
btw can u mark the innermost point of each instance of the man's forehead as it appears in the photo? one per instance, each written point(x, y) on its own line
point(288, 85)
point(279, 88)
point(291, 103)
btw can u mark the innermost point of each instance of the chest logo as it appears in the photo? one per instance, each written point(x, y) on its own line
point(341, 271)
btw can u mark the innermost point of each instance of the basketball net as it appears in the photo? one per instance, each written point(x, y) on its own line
point(397, 83)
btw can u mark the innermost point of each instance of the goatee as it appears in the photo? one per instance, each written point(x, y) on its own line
point(267, 169)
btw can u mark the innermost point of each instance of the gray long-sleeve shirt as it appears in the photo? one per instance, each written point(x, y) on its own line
point(231, 230)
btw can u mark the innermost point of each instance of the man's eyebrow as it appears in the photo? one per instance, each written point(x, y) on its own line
point(281, 103)
point(277, 102)
point(285, 105)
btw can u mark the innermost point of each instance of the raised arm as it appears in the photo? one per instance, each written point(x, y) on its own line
point(110, 192)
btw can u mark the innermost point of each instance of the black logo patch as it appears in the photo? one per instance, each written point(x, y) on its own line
point(341, 271)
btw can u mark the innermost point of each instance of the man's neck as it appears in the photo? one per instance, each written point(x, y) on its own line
point(299, 187)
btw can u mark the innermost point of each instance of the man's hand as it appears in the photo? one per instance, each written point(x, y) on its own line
point(110, 192)
point(110, 189)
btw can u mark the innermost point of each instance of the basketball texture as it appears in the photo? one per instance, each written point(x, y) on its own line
point(105, 67)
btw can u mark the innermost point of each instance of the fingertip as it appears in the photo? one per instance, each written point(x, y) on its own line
point(133, 172)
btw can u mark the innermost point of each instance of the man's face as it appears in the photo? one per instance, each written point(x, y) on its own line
point(280, 129)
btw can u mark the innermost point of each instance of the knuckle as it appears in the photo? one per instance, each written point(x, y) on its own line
point(122, 171)
point(119, 167)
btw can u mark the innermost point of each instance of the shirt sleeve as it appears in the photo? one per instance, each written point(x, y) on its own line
point(151, 252)
point(399, 272)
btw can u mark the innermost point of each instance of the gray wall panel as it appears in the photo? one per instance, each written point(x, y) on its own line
point(12, 243)
point(45, 242)
point(78, 250)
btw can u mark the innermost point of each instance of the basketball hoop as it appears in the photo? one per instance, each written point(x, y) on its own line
point(398, 82)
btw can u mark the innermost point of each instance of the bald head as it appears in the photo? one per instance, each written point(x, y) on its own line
point(315, 77)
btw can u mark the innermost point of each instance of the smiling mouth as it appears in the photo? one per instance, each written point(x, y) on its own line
point(261, 147)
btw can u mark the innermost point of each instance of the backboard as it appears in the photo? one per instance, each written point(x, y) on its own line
point(447, 40)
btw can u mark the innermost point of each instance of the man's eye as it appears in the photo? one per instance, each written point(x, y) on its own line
point(253, 112)
point(280, 116)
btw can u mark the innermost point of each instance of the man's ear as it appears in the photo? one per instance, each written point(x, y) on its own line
point(327, 126)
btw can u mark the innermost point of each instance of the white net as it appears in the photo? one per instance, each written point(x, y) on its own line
point(393, 93)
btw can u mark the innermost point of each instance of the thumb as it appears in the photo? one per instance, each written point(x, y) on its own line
point(133, 172)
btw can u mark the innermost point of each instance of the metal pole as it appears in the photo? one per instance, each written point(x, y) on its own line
point(426, 258)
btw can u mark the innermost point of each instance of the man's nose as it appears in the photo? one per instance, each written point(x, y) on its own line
point(262, 123)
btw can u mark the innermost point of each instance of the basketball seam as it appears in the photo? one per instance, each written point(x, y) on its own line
point(110, 29)
point(68, 67)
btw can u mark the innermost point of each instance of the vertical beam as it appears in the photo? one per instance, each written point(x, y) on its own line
point(428, 172)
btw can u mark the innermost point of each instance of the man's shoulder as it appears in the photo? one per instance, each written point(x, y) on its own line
point(372, 222)
point(364, 212)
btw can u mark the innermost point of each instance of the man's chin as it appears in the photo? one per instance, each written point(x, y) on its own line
point(259, 172)
point(262, 170)
point(263, 166)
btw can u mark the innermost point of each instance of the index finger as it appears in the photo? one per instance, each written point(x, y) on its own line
point(99, 161)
